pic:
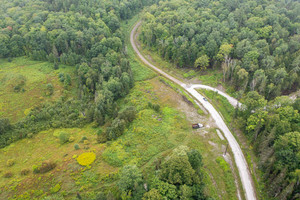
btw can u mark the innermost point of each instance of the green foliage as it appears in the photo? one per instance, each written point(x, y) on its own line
point(55, 189)
point(130, 178)
point(165, 189)
point(76, 146)
point(287, 148)
point(128, 114)
point(83, 139)
point(202, 62)
point(96, 48)
point(49, 89)
point(178, 171)
point(155, 107)
point(10, 162)
point(35, 169)
point(153, 194)
point(71, 139)
point(274, 130)
point(63, 137)
point(195, 159)
point(254, 101)
point(246, 42)
point(67, 81)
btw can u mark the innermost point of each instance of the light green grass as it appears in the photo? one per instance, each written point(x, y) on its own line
point(14, 105)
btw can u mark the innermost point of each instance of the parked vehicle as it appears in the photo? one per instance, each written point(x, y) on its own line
point(204, 99)
point(196, 126)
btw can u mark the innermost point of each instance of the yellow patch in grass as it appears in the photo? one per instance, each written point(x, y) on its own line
point(86, 159)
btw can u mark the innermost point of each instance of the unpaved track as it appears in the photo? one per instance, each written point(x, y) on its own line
point(240, 160)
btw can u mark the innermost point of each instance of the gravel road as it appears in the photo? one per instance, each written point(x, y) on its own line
point(239, 157)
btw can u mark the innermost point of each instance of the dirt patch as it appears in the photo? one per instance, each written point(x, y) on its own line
point(221, 88)
point(169, 97)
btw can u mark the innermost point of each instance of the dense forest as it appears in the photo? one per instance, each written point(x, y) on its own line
point(256, 44)
point(86, 35)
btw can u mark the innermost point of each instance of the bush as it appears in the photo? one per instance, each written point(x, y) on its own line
point(24, 172)
point(8, 175)
point(47, 166)
point(63, 137)
point(44, 168)
point(76, 146)
point(35, 169)
point(86, 158)
point(71, 139)
point(49, 89)
point(101, 138)
point(155, 107)
point(55, 189)
point(29, 135)
point(86, 142)
point(61, 77)
point(83, 138)
point(10, 162)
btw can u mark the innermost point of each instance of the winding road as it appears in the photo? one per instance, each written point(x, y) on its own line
point(239, 157)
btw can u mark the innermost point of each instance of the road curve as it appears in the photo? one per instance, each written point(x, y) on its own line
point(234, 102)
point(239, 158)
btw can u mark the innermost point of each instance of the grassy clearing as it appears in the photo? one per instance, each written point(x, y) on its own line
point(23, 85)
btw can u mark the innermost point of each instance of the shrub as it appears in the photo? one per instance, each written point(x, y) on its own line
point(155, 107)
point(35, 169)
point(56, 188)
point(63, 137)
point(102, 138)
point(29, 135)
point(83, 138)
point(61, 77)
point(8, 175)
point(86, 158)
point(86, 142)
point(76, 146)
point(44, 168)
point(71, 139)
point(10, 162)
point(47, 166)
point(24, 172)
point(49, 89)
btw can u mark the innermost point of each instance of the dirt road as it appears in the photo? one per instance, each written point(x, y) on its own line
point(239, 157)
